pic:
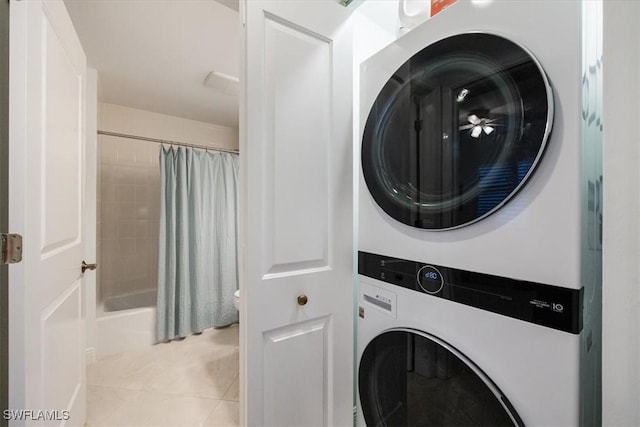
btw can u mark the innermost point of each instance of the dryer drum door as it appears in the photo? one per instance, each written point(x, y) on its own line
point(410, 378)
point(456, 131)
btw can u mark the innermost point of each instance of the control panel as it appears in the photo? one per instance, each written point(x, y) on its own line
point(552, 306)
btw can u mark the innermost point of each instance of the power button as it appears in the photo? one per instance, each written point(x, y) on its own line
point(430, 279)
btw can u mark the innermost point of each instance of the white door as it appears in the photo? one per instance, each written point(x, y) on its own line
point(47, 148)
point(297, 241)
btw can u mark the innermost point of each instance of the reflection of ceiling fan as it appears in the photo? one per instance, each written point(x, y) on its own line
point(478, 125)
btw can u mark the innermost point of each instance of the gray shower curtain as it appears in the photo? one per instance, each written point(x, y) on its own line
point(197, 262)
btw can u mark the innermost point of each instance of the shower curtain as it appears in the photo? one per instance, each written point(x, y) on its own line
point(198, 265)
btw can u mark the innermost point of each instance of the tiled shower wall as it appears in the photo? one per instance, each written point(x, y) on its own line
point(128, 195)
point(128, 212)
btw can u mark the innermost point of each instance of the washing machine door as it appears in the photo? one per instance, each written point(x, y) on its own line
point(410, 378)
point(456, 131)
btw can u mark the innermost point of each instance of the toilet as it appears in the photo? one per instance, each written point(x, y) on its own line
point(236, 299)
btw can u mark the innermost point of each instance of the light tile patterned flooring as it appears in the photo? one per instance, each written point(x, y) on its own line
point(187, 383)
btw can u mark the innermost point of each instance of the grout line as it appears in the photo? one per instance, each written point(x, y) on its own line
point(117, 387)
point(210, 413)
point(229, 388)
point(111, 387)
point(160, 392)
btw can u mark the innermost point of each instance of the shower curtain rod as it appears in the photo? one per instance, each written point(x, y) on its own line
point(163, 141)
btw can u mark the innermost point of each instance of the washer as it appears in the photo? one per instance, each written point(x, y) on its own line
point(473, 173)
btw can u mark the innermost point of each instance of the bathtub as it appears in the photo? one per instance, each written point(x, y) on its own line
point(126, 322)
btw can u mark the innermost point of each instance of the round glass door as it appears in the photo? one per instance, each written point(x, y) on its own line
point(408, 378)
point(456, 131)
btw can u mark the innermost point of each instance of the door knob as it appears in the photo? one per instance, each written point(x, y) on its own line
point(86, 266)
point(302, 299)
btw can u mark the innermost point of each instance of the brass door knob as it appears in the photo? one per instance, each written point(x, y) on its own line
point(302, 299)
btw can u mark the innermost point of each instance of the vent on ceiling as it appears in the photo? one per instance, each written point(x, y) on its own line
point(222, 82)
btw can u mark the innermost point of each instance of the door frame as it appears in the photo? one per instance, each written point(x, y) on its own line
point(4, 203)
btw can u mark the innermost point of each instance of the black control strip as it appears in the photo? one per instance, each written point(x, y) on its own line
point(546, 305)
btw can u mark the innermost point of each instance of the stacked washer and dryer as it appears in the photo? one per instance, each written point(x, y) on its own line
point(479, 237)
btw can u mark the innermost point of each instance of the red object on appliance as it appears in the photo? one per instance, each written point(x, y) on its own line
point(438, 5)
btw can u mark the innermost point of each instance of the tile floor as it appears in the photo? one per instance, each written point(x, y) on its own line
point(191, 383)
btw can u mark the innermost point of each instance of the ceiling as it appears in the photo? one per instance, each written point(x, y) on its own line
point(155, 54)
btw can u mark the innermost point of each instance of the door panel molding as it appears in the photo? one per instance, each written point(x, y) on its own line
point(297, 237)
point(308, 381)
point(60, 326)
point(61, 179)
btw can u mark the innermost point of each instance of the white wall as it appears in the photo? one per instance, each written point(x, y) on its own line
point(116, 118)
point(381, 13)
point(621, 249)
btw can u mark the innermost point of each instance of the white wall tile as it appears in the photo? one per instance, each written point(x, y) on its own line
point(107, 150)
point(126, 210)
point(107, 191)
point(126, 193)
point(142, 193)
point(108, 229)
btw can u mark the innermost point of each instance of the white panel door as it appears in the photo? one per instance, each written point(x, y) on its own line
point(296, 127)
point(47, 149)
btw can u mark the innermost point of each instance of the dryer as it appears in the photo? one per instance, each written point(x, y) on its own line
point(450, 360)
point(470, 142)
point(474, 164)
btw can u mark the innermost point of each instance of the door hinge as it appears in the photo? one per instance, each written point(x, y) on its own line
point(11, 250)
